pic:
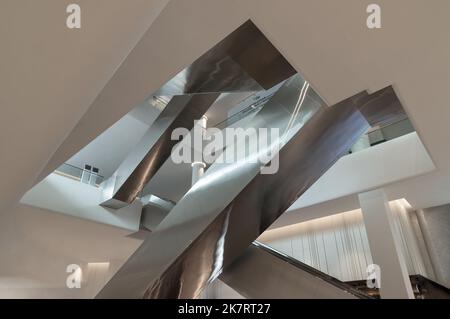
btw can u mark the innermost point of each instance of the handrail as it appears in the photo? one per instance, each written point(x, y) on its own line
point(382, 131)
point(76, 173)
point(253, 107)
point(81, 169)
point(313, 271)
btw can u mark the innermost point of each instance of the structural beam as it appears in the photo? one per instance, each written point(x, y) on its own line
point(233, 204)
point(386, 252)
point(244, 61)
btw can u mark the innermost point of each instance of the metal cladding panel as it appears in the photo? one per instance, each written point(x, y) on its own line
point(233, 204)
point(382, 107)
point(326, 137)
point(155, 147)
point(244, 61)
point(283, 277)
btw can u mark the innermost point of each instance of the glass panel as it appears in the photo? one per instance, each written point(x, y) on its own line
point(79, 174)
point(378, 135)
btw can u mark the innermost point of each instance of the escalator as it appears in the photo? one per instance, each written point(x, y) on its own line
point(423, 288)
point(244, 61)
point(223, 213)
point(283, 277)
point(235, 201)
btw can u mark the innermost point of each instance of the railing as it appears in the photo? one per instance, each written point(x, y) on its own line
point(313, 271)
point(423, 288)
point(79, 174)
point(256, 104)
point(373, 137)
point(380, 135)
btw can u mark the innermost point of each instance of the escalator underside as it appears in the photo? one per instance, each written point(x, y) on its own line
point(233, 203)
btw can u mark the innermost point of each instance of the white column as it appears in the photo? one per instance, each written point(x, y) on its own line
point(198, 168)
point(202, 122)
point(385, 249)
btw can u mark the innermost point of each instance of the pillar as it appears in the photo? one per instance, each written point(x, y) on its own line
point(198, 168)
point(385, 249)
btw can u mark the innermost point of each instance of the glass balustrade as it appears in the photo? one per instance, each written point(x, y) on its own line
point(79, 174)
point(378, 135)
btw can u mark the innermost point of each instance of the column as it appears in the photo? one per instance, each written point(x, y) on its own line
point(198, 168)
point(384, 247)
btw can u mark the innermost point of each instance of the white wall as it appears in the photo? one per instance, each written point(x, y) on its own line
point(435, 225)
point(111, 147)
point(338, 244)
point(376, 166)
point(37, 245)
point(67, 196)
point(45, 94)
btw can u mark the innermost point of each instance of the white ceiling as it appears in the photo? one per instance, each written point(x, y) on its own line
point(327, 41)
point(111, 147)
point(108, 150)
point(49, 75)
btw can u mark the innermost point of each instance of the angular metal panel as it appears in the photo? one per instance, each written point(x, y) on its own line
point(283, 277)
point(382, 107)
point(153, 149)
point(223, 183)
point(244, 61)
point(324, 139)
point(154, 211)
point(233, 204)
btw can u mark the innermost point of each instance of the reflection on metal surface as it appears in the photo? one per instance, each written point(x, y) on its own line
point(284, 277)
point(250, 105)
point(154, 211)
point(153, 149)
point(158, 201)
point(378, 135)
point(232, 204)
point(382, 107)
point(244, 61)
point(76, 173)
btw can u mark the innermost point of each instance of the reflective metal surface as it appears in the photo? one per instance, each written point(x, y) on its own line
point(244, 61)
point(262, 272)
point(154, 211)
point(153, 149)
point(233, 204)
point(382, 107)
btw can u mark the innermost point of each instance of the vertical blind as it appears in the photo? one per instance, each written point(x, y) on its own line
point(338, 244)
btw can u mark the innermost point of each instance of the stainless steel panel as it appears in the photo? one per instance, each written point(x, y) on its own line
point(153, 149)
point(154, 211)
point(261, 272)
point(382, 107)
point(205, 201)
point(233, 204)
point(244, 61)
point(152, 216)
